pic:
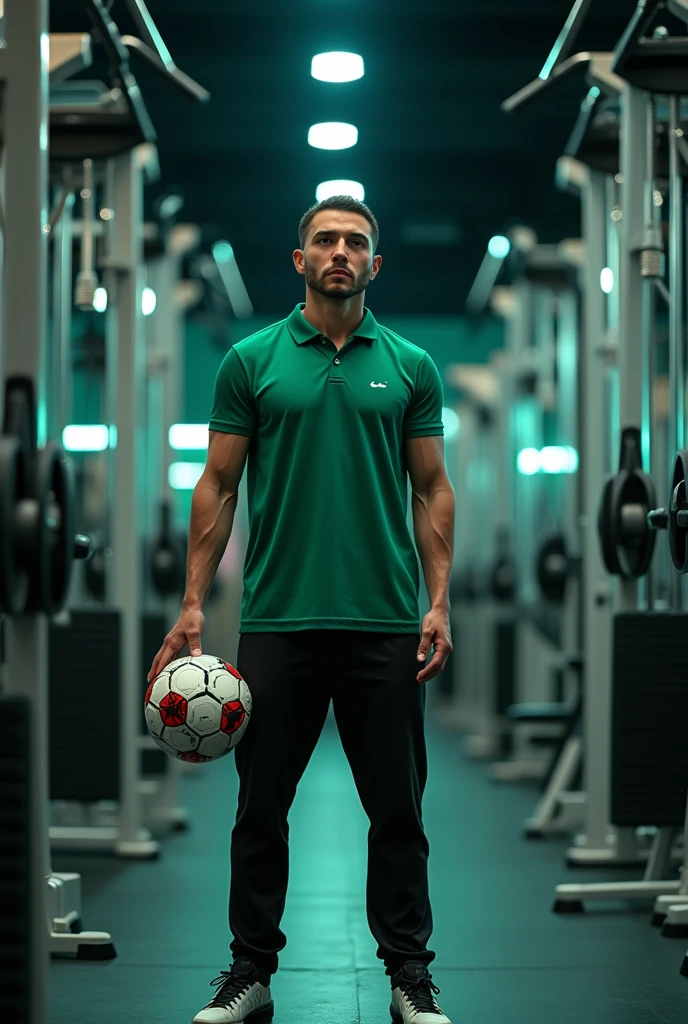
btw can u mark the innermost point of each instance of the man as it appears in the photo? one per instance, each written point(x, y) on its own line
point(333, 412)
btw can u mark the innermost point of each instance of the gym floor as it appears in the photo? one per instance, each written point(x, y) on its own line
point(502, 956)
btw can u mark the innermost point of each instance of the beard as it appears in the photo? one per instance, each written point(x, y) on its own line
point(339, 289)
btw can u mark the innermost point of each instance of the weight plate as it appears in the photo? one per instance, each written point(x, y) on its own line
point(678, 538)
point(14, 575)
point(635, 543)
point(606, 526)
point(52, 553)
point(64, 546)
point(627, 542)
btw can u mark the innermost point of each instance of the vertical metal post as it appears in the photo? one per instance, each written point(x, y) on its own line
point(126, 371)
point(505, 464)
point(523, 433)
point(633, 290)
point(595, 844)
point(612, 434)
point(166, 348)
point(24, 74)
point(637, 248)
point(676, 426)
point(60, 405)
point(467, 679)
point(153, 401)
point(568, 355)
point(162, 368)
point(485, 472)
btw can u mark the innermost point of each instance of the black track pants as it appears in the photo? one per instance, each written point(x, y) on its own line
point(379, 709)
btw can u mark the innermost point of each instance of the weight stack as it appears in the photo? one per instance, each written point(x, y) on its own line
point(504, 665)
point(84, 686)
point(16, 983)
point(649, 769)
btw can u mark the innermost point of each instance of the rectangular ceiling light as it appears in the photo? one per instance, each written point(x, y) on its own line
point(554, 459)
point(332, 135)
point(189, 436)
point(183, 476)
point(85, 437)
point(337, 66)
point(326, 189)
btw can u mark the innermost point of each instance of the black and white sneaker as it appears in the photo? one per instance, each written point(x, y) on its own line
point(413, 1001)
point(243, 997)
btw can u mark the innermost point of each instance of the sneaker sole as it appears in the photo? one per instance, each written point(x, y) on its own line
point(263, 1015)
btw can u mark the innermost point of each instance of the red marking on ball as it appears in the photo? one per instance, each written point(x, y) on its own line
point(173, 709)
point(193, 756)
point(233, 715)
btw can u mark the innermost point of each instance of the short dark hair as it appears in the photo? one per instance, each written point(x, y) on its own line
point(347, 203)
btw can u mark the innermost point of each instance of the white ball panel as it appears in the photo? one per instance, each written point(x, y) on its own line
point(215, 746)
point(223, 685)
point(245, 696)
point(174, 665)
point(189, 680)
point(209, 661)
point(161, 686)
point(204, 715)
point(153, 720)
point(181, 738)
point(164, 746)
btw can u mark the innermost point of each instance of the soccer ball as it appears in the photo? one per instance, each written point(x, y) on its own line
point(198, 709)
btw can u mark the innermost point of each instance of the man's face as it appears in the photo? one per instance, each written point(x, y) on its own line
point(338, 260)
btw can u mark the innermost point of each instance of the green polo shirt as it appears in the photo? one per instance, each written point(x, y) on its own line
point(329, 546)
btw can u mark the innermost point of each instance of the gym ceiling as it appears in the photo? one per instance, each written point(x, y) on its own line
point(443, 168)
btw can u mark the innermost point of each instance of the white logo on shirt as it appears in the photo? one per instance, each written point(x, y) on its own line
point(374, 385)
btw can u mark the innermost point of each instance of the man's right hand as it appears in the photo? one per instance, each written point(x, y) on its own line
point(188, 629)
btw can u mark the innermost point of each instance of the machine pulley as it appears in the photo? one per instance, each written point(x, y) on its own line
point(554, 566)
point(675, 519)
point(626, 538)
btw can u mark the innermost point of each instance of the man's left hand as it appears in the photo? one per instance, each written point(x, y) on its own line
point(435, 632)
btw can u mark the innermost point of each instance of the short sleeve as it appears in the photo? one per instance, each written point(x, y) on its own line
point(233, 410)
point(424, 414)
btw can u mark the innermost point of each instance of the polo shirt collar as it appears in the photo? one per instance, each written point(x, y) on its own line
point(302, 332)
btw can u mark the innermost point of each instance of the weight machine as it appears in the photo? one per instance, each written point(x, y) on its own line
point(105, 810)
point(532, 287)
point(37, 492)
point(629, 717)
point(165, 553)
